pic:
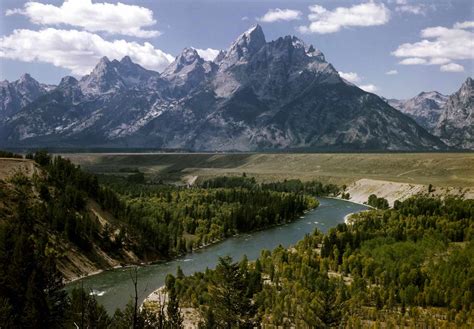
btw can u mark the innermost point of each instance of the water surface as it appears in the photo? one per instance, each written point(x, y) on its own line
point(114, 288)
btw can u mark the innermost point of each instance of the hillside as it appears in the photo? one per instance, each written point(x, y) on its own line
point(126, 219)
point(74, 222)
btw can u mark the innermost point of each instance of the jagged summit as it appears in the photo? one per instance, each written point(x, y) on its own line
point(109, 76)
point(68, 81)
point(253, 37)
point(126, 60)
point(103, 63)
point(220, 56)
point(19, 93)
point(425, 108)
point(187, 57)
point(309, 50)
point(468, 85)
point(246, 45)
point(188, 71)
point(27, 82)
point(26, 77)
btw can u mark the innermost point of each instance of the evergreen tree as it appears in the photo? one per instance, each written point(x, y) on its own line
point(173, 312)
point(229, 304)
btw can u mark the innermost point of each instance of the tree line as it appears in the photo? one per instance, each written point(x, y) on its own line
point(313, 188)
point(172, 220)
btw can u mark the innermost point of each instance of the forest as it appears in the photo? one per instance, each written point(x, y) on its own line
point(410, 266)
point(156, 221)
point(174, 220)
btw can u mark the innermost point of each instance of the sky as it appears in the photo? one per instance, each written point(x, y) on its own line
point(395, 48)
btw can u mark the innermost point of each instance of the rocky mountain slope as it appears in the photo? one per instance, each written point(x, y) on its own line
point(456, 123)
point(425, 108)
point(17, 94)
point(448, 117)
point(256, 95)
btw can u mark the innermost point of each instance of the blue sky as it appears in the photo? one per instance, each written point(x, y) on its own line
point(396, 48)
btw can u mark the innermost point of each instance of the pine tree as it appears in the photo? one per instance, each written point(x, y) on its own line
point(231, 307)
point(172, 310)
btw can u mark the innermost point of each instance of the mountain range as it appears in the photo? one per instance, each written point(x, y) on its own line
point(256, 95)
point(449, 117)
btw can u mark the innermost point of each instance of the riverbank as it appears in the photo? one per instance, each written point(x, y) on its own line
point(76, 267)
point(192, 317)
point(116, 287)
point(157, 300)
point(360, 190)
point(346, 217)
point(71, 279)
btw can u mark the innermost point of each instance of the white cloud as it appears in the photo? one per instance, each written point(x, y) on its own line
point(440, 46)
point(423, 61)
point(208, 54)
point(391, 72)
point(78, 51)
point(245, 18)
point(94, 17)
point(412, 9)
point(404, 6)
point(354, 78)
point(413, 61)
point(350, 76)
point(452, 67)
point(274, 15)
point(464, 25)
point(326, 21)
point(439, 61)
point(369, 88)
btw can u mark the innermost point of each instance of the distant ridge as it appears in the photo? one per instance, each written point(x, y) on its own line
point(449, 117)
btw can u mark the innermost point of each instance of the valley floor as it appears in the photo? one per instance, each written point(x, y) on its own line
point(389, 175)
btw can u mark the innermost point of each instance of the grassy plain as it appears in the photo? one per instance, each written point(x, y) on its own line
point(439, 169)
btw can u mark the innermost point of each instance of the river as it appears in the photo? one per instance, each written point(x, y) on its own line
point(114, 288)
